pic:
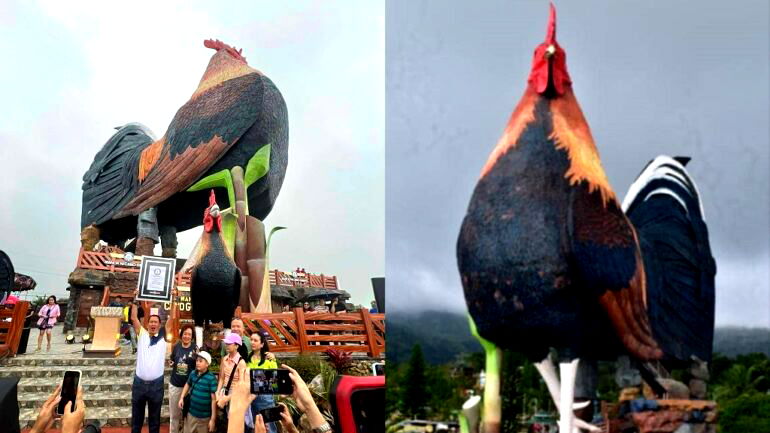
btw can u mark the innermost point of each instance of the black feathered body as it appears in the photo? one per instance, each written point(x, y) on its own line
point(515, 251)
point(220, 129)
point(215, 284)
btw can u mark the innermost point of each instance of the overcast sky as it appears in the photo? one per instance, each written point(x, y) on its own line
point(74, 70)
point(676, 77)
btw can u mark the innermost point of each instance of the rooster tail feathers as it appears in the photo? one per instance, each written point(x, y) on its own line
point(664, 206)
point(111, 180)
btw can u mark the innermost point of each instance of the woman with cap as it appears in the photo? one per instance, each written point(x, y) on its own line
point(202, 386)
point(48, 315)
point(232, 365)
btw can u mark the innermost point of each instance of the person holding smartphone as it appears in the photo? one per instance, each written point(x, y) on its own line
point(48, 315)
point(147, 389)
point(71, 421)
point(337, 306)
point(261, 359)
point(242, 398)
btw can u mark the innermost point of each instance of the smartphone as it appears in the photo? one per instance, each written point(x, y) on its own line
point(69, 390)
point(271, 382)
point(271, 414)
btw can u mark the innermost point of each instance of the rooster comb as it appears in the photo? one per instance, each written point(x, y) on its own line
point(212, 198)
point(216, 44)
point(550, 36)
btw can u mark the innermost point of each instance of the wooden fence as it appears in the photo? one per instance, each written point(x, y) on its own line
point(302, 279)
point(108, 262)
point(10, 331)
point(302, 332)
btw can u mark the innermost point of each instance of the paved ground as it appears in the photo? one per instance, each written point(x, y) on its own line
point(59, 347)
point(106, 382)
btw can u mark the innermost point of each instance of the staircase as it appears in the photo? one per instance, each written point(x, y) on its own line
point(106, 383)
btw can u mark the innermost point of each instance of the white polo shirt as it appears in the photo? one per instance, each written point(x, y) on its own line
point(150, 360)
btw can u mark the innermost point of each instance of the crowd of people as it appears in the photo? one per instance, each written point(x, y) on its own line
point(208, 396)
point(196, 395)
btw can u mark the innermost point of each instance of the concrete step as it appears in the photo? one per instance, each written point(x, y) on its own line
point(57, 372)
point(113, 416)
point(94, 399)
point(90, 385)
point(51, 361)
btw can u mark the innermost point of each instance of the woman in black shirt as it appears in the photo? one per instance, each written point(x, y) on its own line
point(182, 362)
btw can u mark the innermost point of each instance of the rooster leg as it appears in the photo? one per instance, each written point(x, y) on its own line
point(168, 240)
point(471, 413)
point(568, 372)
point(89, 237)
point(241, 206)
point(199, 336)
point(492, 402)
point(147, 232)
point(547, 370)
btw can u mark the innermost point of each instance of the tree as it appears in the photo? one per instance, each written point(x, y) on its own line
point(747, 413)
point(415, 393)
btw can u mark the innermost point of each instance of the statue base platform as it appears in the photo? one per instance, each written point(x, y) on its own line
point(101, 353)
point(660, 416)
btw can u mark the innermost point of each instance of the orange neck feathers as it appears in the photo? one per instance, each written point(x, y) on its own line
point(224, 65)
point(549, 79)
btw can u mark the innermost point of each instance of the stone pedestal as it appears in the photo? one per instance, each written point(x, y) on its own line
point(104, 342)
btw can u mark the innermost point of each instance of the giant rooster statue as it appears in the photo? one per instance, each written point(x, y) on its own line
point(549, 259)
point(215, 281)
point(232, 134)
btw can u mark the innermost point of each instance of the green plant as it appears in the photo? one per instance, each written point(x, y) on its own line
point(746, 413)
point(323, 388)
point(308, 366)
point(339, 359)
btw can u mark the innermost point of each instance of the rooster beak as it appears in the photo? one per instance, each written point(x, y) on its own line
point(214, 211)
point(550, 51)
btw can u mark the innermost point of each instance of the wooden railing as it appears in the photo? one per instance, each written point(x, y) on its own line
point(278, 278)
point(316, 332)
point(104, 262)
point(107, 262)
point(10, 331)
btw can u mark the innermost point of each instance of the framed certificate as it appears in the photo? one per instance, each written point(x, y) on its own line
point(156, 279)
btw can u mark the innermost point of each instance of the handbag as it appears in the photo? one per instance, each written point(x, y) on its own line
point(227, 390)
point(186, 404)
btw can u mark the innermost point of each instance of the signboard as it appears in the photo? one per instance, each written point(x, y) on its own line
point(156, 279)
point(183, 302)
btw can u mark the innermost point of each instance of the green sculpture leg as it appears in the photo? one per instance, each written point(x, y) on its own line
point(492, 413)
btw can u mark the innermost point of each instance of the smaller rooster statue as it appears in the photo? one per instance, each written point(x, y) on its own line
point(216, 281)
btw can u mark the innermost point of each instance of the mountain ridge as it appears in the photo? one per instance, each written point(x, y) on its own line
point(443, 335)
